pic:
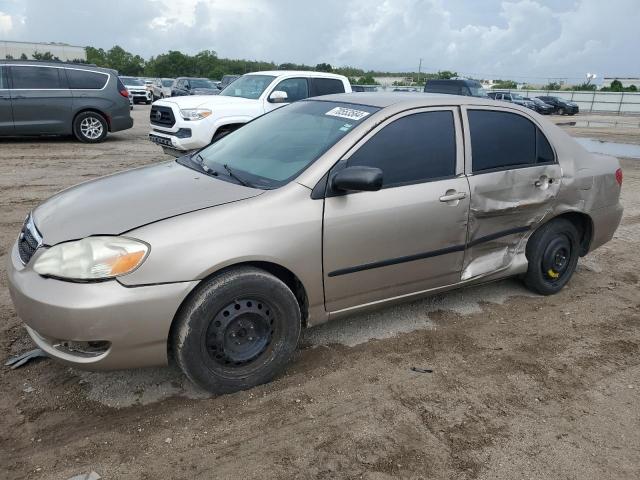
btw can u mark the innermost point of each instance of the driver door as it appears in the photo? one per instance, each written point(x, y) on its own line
point(410, 235)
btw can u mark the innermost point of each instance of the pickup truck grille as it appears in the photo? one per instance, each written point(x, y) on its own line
point(29, 241)
point(162, 116)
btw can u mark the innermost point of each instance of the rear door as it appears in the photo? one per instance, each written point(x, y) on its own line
point(6, 113)
point(514, 179)
point(410, 235)
point(325, 86)
point(41, 100)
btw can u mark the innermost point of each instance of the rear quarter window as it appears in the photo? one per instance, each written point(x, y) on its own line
point(502, 140)
point(326, 86)
point(86, 80)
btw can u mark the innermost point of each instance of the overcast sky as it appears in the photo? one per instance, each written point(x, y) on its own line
point(532, 39)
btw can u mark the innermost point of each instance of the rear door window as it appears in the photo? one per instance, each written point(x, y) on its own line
point(416, 148)
point(501, 140)
point(86, 80)
point(35, 78)
point(326, 86)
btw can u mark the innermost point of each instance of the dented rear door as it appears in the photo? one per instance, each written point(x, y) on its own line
point(514, 179)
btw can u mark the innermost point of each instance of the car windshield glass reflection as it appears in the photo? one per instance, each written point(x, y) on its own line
point(248, 86)
point(275, 148)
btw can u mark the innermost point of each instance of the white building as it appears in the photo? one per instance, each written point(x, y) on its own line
point(64, 52)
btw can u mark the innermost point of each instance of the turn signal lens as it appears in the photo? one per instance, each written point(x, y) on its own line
point(619, 176)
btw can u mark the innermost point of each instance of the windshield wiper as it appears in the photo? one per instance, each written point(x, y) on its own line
point(236, 177)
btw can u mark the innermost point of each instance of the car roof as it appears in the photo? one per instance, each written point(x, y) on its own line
point(43, 63)
point(409, 99)
point(304, 73)
point(464, 81)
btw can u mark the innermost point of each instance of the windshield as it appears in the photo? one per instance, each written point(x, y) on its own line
point(274, 148)
point(167, 83)
point(478, 92)
point(201, 83)
point(248, 86)
point(135, 82)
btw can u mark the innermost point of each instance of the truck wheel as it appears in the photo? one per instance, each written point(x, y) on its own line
point(90, 127)
point(237, 330)
point(553, 252)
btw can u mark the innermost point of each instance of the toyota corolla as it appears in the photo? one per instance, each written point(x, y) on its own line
point(315, 211)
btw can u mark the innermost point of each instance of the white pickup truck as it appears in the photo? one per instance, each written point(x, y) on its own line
point(183, 124)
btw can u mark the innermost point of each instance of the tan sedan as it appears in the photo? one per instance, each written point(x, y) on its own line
point(322, 208)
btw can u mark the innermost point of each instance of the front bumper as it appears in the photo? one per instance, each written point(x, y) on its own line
point(134, 321)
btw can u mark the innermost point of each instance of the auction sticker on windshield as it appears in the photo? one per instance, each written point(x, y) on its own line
point(349, 113)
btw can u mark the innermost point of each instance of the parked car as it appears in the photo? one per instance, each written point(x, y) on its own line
point(55, 98)
point(561, 105)
point(193, 86)
point(513, 98)
point(312, 212)
point(541, 107)
point(471, 88)
point(226, 81)
point(183, 124)
point(162, 88)
point(138, 90)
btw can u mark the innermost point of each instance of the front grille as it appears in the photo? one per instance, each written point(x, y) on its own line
point(29, 241)
point(162, 116)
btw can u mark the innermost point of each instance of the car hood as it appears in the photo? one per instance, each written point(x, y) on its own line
point(118, 203)
point(195, 101)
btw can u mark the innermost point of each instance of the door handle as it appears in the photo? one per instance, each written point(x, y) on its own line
point(452, 196)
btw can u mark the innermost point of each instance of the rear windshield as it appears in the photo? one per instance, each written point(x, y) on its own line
point(134, 82)
point(273, 149)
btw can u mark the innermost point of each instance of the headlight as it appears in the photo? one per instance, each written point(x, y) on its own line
point(195, 113)
point(92, 258)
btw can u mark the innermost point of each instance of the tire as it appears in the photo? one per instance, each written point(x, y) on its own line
point(147, 102)
point(552, 251)
point(237, 330)
point(90, 127)
point(561, 111)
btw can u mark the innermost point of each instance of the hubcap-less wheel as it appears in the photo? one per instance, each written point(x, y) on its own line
point(555, 259)
point(240, 332)
point(91, 128)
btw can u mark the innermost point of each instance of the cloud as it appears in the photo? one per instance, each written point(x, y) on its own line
point(517, 38)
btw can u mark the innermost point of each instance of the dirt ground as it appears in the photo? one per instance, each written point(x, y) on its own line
point(522, 386)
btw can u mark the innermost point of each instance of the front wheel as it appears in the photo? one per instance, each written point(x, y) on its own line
point(561, 111)
point(237, 330)
point(90, 127)
point(552, 252)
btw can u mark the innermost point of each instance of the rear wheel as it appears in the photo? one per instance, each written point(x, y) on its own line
point(90, 127)
point(238, 330)
point(553, 252)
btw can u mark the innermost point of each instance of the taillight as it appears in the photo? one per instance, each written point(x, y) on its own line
point(124, 92)
point(619, 176)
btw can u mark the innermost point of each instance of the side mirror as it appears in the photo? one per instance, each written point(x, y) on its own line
point(359, 179)
point(187, 86)
point(278, 96)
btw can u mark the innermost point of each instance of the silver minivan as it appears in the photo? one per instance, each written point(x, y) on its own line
point(56, 98)
point(317, 210)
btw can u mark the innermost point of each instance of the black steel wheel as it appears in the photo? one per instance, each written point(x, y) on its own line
point(236, 330)
point(553, 252)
